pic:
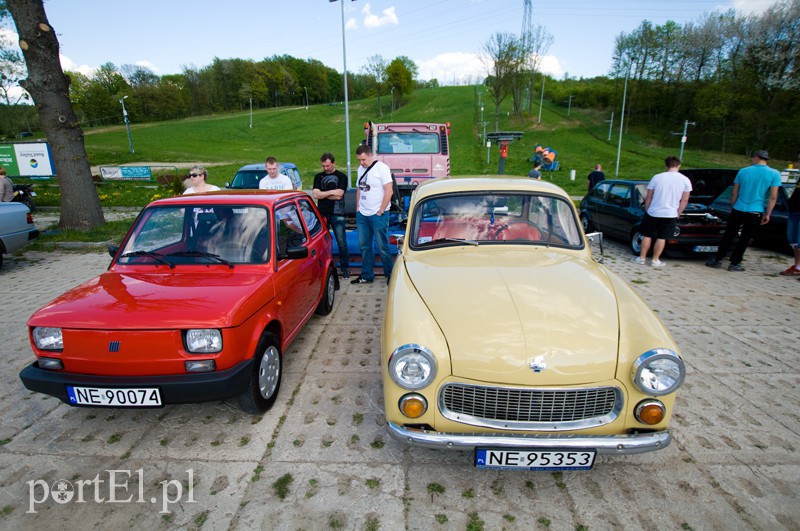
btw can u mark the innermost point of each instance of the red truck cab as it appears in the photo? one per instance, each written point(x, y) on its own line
point(413, 151)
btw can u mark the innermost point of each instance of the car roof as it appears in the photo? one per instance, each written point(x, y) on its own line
point(228, 197)
point(483, 183)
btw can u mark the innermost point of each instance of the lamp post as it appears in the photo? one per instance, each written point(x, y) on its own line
point(127, 123)
point(541, 99)
point(306, 91)
point(346, 105)
point(622, 119)
point(251, 113)
point(686, 124)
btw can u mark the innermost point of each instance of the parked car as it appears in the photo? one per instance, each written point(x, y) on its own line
point(773, 234)
point(16, 228)
point(708, 183)
point(502, 334)
point(616, 208)
point(248, 176)
point(199, 303)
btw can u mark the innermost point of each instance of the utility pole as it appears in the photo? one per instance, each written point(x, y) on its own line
point(541, 99)
point(686, 125)
point(622, 120)
point(610, 125)
point(569, 105)
point(251, 113)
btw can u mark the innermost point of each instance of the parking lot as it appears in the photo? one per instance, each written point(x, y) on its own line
point(321, 458)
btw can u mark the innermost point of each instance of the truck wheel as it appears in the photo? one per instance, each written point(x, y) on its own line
point(265, 377)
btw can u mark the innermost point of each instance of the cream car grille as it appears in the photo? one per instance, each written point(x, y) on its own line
point(533, 409)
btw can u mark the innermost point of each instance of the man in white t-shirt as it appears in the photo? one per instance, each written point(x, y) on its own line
point(667, 197)
point(274, 180)
point(372, 217)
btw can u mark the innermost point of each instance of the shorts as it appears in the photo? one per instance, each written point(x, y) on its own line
point(659, 228)
point(793, 229)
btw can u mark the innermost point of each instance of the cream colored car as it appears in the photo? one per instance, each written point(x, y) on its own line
point(502, 334)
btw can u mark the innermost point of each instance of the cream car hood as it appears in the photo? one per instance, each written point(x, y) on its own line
point(521, 317)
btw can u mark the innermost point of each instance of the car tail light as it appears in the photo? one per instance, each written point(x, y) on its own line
point(29, 218)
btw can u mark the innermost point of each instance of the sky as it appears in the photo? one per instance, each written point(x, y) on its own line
point(444, 38)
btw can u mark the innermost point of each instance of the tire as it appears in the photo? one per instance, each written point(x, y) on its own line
point(636, 241)
point(586, 223)
point(265, 377)
point(326, 303)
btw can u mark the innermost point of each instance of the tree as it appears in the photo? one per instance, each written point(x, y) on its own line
point(502, 60)
point(375, 70)
point(49, 88)
point(401, 81)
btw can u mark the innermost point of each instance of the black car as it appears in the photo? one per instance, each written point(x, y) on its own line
point(616, 208)
point(773, 234)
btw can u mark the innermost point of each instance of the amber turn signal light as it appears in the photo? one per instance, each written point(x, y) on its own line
point(650, 412)
point(413, 405)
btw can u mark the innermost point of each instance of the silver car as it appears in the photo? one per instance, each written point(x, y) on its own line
point(16, 228)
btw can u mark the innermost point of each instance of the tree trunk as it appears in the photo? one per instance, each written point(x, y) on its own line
point(49, 87)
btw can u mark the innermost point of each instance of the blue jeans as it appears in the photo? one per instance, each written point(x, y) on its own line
point(337, 224)
point(379, 227)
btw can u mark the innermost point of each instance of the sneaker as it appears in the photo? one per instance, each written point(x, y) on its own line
point(791, 272)
point(639, 260)
point(657, 263)
point(360, 280)
point(714, 263)
point(345, 274)
point(736, 267)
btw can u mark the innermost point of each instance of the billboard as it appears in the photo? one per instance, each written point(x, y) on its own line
point(27, 159)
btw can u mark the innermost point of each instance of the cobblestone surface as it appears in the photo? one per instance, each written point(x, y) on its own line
point(734, 462)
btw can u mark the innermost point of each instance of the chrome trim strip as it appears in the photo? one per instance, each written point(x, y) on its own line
point(604, 444)
point(593, 422)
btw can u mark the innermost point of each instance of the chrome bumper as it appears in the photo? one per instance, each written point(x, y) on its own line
point(604, 444)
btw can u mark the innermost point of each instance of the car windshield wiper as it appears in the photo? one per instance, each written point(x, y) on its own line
point(158, 257)
point(202, 254)
point(451, 240)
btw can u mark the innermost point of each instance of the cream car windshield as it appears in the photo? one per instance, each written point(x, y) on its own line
point(172, 236)
point(507, 218)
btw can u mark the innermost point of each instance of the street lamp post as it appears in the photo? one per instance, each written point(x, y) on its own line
point(251, 113)
point(622, 120)
point(346, 104)
point(686, 125)
point(306, 91)
point(127, 122)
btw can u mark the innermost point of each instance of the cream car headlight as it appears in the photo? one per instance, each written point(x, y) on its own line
point(203, 340)
point(658, 372)
point(48, 338)
point(412, 366)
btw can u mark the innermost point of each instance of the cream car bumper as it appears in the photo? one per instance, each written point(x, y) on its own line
point(604, 444)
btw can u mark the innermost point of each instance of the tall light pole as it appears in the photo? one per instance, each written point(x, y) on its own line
point(306, 91)
point(127, 123)
point(251, 113)
point(622, 119)
point(346, 104)
point(541, 99)
point(686, 124)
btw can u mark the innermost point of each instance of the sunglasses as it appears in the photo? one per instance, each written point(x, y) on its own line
point(195, 175)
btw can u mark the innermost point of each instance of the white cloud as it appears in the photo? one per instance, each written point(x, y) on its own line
point(351, 24)
point(753, 6)
point(551, 66)
point(147, 64)
point(452, 66)
point(68, 65)
point(388, 16)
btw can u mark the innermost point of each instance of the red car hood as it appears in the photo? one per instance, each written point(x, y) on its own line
point(207, 299)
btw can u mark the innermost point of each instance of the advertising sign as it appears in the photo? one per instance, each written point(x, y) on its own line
point(125, 172)
point(27, 159)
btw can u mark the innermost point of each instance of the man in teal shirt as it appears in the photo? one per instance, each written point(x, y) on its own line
point(755, 191)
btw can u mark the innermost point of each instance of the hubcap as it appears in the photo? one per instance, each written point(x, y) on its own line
point(330, 290)
point(269, 371)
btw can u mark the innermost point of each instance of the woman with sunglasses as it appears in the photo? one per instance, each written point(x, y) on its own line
point(197, 178)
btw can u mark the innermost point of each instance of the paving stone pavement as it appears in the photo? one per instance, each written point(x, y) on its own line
point(734, 462)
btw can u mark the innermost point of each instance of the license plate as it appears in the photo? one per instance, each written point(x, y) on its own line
point(705, 248)
point(119, 397)
point(539, 459)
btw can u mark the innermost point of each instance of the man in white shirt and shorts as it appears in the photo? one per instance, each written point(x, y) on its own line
point(372, 216)
point(667, 197)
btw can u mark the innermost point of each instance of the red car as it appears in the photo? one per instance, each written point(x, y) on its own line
point(202, 298)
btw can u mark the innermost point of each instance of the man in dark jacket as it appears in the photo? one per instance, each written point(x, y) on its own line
point(329, 187)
